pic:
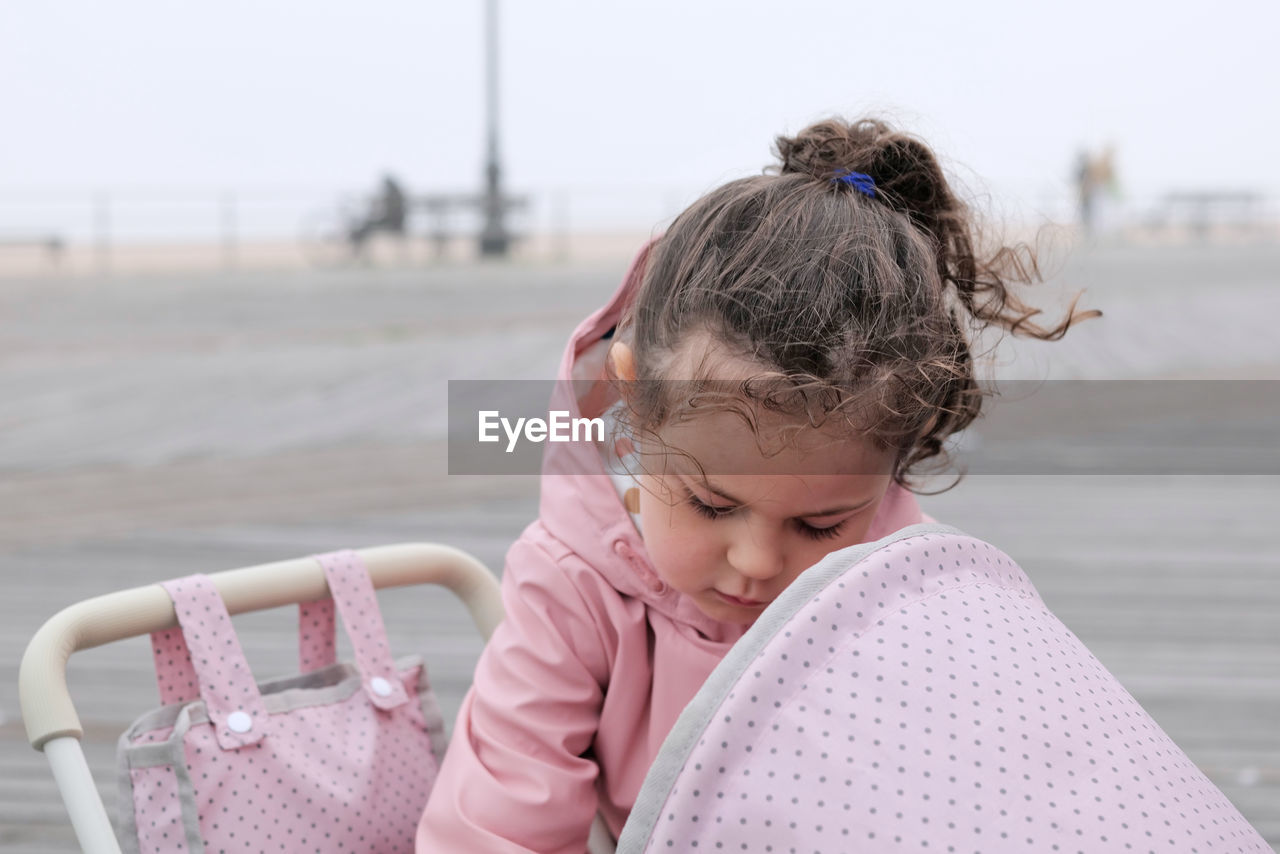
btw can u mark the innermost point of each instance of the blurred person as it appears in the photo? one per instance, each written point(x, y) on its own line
point(1097, 190)
point(1083, 176)
point(387, 212)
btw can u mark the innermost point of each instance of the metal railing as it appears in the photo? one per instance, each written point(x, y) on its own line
point(90, 230)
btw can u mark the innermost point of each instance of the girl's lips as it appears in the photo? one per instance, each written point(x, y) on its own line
point(741, 603)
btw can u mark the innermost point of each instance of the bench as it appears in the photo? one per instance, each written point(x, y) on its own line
point(52, 243)
point(1203, 210)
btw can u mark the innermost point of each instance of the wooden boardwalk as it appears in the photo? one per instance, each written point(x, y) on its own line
point(153, 428)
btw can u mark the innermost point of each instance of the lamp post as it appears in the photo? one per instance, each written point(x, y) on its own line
point(494, 239)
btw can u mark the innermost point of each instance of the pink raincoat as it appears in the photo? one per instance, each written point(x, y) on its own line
point(594, 662)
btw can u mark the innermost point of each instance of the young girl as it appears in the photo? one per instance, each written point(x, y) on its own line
point(779, 363)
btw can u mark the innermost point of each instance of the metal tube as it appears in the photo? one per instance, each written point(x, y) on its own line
point(80, 794)
point(230, 226)
point(491, 79)
point(494, 239)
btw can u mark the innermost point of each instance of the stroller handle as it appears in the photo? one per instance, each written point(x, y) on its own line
point(47, 710)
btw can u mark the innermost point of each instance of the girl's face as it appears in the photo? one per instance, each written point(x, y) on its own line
point(734, 539)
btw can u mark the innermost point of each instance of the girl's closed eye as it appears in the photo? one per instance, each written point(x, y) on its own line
point(816, 533)
point(710, 511)
point(719, 511)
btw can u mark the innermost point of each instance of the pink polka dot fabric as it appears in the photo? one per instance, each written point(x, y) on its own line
point(916, 695)
point(162, 830)
point(354, 597)
point(340, 758)
point(317, 641)
point(215, 659)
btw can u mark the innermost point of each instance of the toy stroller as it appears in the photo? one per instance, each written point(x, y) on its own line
point(340, 757)
point(915, 694)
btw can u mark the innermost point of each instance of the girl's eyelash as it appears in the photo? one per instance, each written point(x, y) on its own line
point(710, 511)
point(821, 533)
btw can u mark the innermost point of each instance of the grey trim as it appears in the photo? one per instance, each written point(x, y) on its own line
point(126, 819)
point(696, 716)
point(186, 789)
point(150, 755)
point(168, 753)
point(154, 719)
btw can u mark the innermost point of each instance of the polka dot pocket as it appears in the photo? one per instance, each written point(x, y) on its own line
point(916, 694)
point(340, 757)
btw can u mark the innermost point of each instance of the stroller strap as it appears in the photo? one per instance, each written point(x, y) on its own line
point(317, 640)
point(358, 606)
point(214, 658)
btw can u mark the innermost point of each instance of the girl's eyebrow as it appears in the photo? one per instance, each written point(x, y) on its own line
point(720, 493)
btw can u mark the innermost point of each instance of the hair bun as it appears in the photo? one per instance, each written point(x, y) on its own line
point(825, 148)
point(905, 170)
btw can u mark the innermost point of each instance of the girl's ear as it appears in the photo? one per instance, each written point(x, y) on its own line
point(622, 362)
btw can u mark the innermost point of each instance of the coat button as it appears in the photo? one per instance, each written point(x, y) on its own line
point(653, 582)
point(656, 584)
point(380, 686)
point(239, 722)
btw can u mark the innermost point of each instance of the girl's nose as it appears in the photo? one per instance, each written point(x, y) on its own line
point(755, 555)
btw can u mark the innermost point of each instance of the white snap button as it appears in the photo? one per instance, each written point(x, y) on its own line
point(380, 686)
point(239, 722)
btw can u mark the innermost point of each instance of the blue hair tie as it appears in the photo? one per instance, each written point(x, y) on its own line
point(864, 184)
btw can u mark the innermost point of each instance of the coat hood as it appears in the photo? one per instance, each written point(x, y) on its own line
point(580, 506)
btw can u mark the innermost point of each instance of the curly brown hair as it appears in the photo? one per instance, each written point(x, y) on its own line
point(852, 305)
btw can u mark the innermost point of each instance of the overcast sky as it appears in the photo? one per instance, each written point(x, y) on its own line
point(672, 93)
